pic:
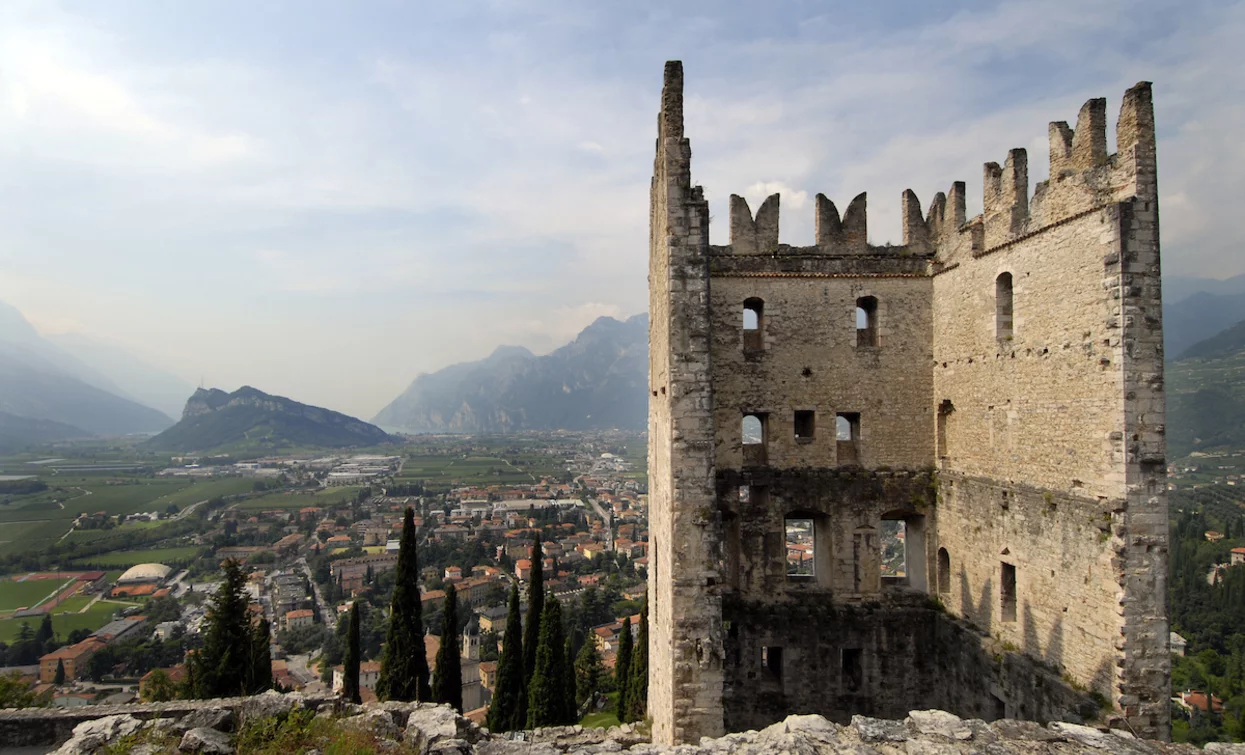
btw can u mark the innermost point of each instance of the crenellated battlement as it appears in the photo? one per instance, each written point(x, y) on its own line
point(1082, 176)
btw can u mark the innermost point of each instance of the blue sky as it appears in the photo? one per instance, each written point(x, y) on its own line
point(323, 199)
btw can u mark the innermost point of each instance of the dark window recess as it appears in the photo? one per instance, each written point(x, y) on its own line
point(1008, 591)
point(944, 571)
point(944, 413)
point(754, 319)
point(866, 321)
point(847, 436)
point(853, 663)
point(1000, 708)
point(1003, 306)
point(805, 424)
point(771, 659)
point(753, 431)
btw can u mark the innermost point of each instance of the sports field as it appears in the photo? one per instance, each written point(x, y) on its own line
point(28, 593)
point(63, 623)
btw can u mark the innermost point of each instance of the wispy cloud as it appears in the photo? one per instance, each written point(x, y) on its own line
point(426, 183)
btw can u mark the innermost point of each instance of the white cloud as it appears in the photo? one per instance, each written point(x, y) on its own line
point(489, 183)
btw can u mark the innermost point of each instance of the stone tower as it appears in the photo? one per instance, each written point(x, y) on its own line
point(927, 475)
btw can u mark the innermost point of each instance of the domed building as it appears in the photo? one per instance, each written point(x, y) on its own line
point(141, 581)
point(145, 573)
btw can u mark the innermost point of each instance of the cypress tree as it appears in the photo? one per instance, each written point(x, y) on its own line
point(60, 672)
point(45, 632)
point(224, 666)
point(546, 693)
point(447, 679)
point(622, 667)
point(508, 710)
point(403, 666)
point(259, 673)
point(588, 673)
point(637, 685)
point(570, 693)
point(350, 664)
point(535, 604)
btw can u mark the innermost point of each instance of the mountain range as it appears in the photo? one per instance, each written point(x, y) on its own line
point(599, 380)
point(256, 421)
point(49, 392)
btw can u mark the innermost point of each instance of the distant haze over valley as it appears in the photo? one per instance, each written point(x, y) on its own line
point(67, 385)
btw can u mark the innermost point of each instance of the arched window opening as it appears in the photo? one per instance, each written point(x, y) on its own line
point(753, 432)
point(1003, 306)
point(944, 413)
point(754, 320)
point(847, 435)
point(867, 321)
point(944, 571)
point(801, 548)
point(902, 542)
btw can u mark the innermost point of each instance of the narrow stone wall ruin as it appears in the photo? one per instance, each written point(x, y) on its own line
point(992, 389)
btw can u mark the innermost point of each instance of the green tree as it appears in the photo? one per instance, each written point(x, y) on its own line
point(508, 710)
point(45, 632)
point(159, 687)
point(447, 678)
point(570, 695)
point(637, 683)
point(588, 673)
point(535, 604)
point(226, 665)
point(59, 679)
point(546, 693)
point(260, 676)
point(15, 693)
point(350, 672)
point(403, 666)
point(622, 667)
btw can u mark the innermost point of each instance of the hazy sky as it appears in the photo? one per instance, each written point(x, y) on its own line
point(323, 199)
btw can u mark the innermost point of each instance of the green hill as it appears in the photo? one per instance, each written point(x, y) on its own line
point(1206, 395)
point(251, 420)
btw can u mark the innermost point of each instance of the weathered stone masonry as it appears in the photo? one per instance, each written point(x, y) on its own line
point(998, 386)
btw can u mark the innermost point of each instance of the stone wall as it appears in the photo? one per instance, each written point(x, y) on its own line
point(999, 379)
point(212, 726)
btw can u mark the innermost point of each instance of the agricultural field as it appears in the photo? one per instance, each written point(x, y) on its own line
point(460, 470)
point(166, 556)
point(29, 593)
point(323, 498)
point(63, 623)
point(35, 521)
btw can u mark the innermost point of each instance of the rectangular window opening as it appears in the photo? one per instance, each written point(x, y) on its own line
point(1003, 306)
point(805, 424)
point(944, 412)
point(867, 321)
point(847, 435)
point(771, 659)
point(894, 552)
point(801, 548)
point(1007, 591)
point(853, 668)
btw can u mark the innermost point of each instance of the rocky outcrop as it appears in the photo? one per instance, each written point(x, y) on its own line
point(214, 419)
point(216, 726)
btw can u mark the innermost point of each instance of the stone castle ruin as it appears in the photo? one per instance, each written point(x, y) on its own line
point(990, 392)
